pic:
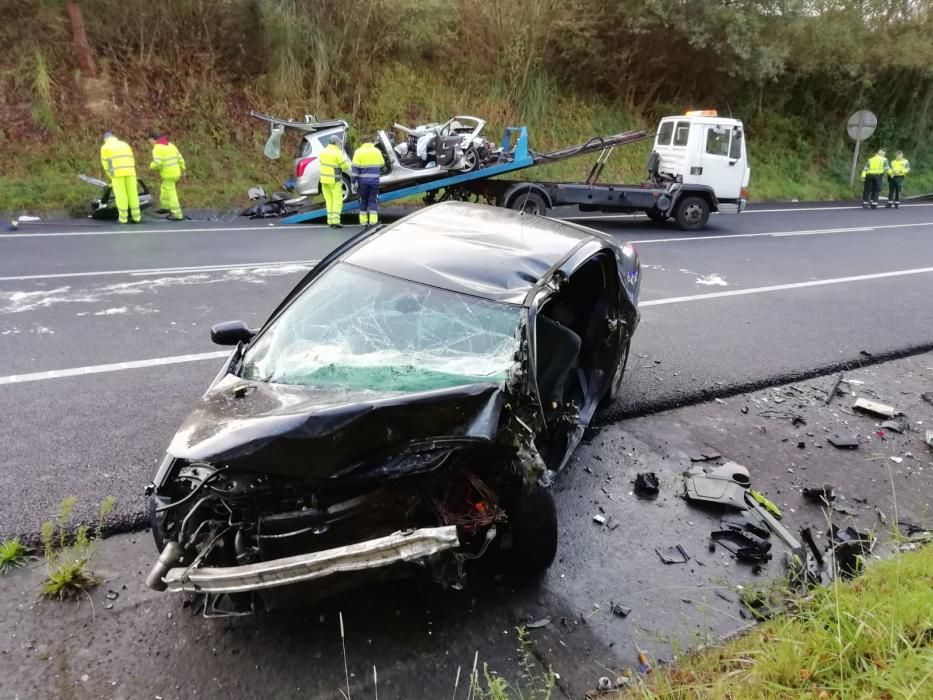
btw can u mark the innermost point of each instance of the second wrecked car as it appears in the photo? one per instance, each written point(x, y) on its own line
point(407, 403)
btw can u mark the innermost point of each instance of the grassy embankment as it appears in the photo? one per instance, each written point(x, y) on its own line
point(223, 146)
point(871, 637)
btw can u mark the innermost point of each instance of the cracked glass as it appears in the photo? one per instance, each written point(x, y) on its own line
point(359, 329)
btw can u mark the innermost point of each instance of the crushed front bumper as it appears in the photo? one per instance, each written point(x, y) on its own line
point(384, 551)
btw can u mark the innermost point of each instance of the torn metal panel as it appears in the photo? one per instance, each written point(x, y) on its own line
point(725, 485)
point(385, 551)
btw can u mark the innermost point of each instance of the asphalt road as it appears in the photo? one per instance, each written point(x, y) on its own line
point(104, 330)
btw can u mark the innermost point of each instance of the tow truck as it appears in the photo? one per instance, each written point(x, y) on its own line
point(698, 165)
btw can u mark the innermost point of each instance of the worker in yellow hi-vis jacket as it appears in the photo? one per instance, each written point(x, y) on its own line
point(168, 161)
point(117, 160)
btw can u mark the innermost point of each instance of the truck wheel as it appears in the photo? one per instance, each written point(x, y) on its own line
point(692, 213)
point(528, 201)
point(533, 525)
point(657, 216)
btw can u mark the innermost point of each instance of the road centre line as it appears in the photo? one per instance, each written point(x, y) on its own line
point(783, 287)
point(113, 367)
point(781, 234)
point(160, 270)
point(197, 357)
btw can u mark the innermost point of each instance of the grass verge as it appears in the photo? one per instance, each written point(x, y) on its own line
point(871, 637)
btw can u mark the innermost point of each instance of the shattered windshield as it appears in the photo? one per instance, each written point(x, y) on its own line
point(358, 329)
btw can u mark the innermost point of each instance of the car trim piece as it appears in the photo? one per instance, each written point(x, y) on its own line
point(398, 547)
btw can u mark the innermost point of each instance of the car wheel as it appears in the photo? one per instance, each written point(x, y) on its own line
point(692, 213)
point(615, 386)
point(345, 188)
point(533, 526)
point(470, 161)
point(529, 202)
point(657, 216)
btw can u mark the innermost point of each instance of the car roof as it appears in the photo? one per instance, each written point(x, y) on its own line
point(476, 249)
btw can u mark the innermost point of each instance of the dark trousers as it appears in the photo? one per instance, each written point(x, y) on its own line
point(872, 189)
point(368, 203)
point(895, 184)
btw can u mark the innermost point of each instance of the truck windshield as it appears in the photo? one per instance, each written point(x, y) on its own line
point(358, 329)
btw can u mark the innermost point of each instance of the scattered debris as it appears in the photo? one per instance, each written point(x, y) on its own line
point(807, 536)
point(824, 494)
point(601, 519)
point(928, 397)
point(673, 555)
point(746, 521)
point(112, 595)
point(725, 484)
point(896, 425)
point(718, 400)
point(543, 622)
point(620, 610)
point(928, 438)
point(874, 407)
point(768, 505)
point(850, 547)
point(744, 545)
point(882, 518)
point(832, 393)
point(844, 443)
point(604, 684)
point(896, 460)
point(725, 597)
point(705, 456)
point(775, 526)
point(643, 665)
point(647, 484)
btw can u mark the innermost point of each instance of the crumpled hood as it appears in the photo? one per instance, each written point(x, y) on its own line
point(310, 432)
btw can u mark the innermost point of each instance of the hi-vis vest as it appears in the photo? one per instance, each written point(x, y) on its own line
point(367, 164)
point(333, 161)
point(876, 165)
point(116, 158)
point(899, 167)
point(166, 158)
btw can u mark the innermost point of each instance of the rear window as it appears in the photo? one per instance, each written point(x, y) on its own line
point(717, 141)
point(682, 134)
point(665, 133)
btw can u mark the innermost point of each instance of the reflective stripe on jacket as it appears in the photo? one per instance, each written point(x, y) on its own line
point(333, 161)
point(899, 167)
point(367, 164)
point(167, 159)
point(116, 158)
point(876, 165)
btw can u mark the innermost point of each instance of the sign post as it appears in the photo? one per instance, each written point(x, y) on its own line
point(860, 126)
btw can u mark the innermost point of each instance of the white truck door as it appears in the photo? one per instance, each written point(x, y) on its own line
point(722, 159)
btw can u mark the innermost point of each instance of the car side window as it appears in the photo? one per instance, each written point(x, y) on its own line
point(682, 134)
point(735, 150)
point(665, 133)
point(717, 141)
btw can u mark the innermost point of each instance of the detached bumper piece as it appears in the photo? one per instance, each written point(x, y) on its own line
point(360, 556)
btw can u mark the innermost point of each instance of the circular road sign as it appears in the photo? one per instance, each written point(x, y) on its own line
point(861, 125)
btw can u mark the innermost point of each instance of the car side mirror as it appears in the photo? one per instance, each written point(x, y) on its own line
point(231, 333)
point(733, 162)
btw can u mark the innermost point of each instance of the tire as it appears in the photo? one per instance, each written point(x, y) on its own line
point(615, 386)
point(346, 188)
point(692, 213)
point(657, 216)
point(533, 527)
point(528, 201)
point(470, 160)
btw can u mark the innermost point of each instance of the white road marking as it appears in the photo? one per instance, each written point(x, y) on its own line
point(167, 229)
point(161, 270)
point(783, 287)
point(113, 367)
point(780, 234)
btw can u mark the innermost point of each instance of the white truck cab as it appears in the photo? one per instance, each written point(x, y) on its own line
point(702, 149)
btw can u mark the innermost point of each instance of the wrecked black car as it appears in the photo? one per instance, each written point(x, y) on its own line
point(407, 403)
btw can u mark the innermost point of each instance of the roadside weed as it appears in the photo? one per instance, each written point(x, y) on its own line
point(13, 554)
point(534, 683)
point(68, 552)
